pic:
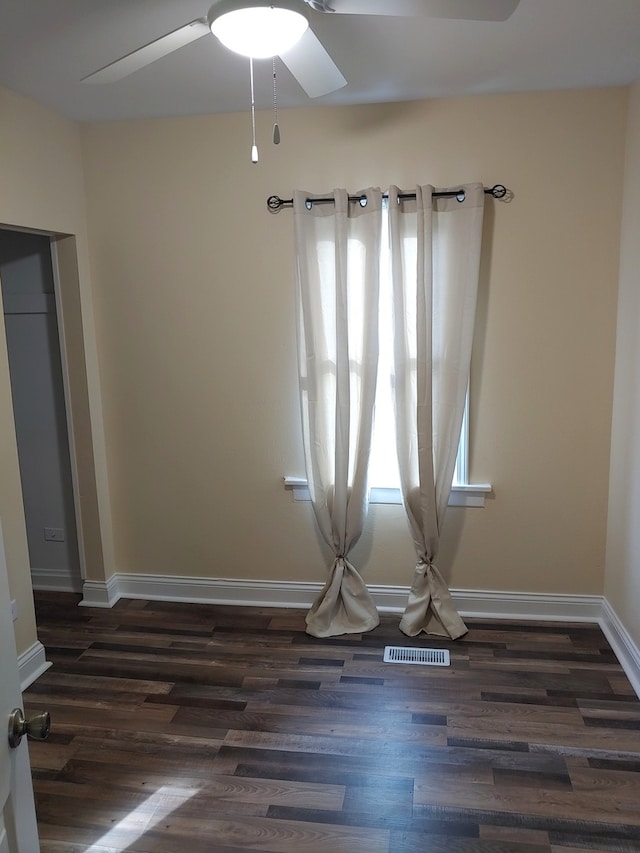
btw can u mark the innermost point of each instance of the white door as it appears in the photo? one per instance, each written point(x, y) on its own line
point(18, 828)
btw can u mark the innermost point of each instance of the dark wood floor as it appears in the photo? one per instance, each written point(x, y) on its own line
point(180, 727)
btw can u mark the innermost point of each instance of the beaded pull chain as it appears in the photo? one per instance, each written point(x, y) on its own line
point(276, 128)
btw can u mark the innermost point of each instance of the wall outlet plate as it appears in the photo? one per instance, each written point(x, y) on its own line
point(54, 534)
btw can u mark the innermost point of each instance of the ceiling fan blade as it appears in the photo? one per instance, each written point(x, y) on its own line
point(149, 53)
point(471, 10)
point(312, 66)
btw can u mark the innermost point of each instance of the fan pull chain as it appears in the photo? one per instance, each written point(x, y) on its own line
point(276, 128)
point(254, 147)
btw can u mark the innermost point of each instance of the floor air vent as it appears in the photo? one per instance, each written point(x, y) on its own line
point(406, 654)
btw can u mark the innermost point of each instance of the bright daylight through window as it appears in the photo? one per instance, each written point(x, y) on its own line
point(384, 476)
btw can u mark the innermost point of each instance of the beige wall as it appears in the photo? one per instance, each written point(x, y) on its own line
point(195, 328)
point(622, 582)
point(42, 188)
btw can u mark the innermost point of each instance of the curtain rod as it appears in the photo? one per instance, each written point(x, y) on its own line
point(275, 203)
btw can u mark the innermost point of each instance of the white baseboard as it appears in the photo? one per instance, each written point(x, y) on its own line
point(391, 599)
point(55, 580)
point(203, 590)
point(490, 604)
point(31, 664)
point(623, 646)
point(483, 604)
point(100, 593)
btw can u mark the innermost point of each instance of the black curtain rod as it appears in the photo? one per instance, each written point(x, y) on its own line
point(275, 203)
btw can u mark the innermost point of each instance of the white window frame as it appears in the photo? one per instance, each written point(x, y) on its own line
point(471, 495)
point(463, 493)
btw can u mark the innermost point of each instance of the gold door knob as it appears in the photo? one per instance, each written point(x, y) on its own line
point(36, 727)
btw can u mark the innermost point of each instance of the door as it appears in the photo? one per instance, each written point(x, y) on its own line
point(18, 828)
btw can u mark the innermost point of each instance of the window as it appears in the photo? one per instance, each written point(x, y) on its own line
point(384, 478)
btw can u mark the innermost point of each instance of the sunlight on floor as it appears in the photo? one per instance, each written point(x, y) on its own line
point(147, 815)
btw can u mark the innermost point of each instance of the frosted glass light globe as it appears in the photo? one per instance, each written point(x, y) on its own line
point(259, 31)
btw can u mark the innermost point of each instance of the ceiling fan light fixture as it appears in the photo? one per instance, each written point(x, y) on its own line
point(259, 31)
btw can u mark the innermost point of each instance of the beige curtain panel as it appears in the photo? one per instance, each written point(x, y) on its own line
point(337, 253)
point(435, 248)
point(434, 256)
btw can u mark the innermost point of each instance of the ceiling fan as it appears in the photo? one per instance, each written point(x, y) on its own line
point(303, 54)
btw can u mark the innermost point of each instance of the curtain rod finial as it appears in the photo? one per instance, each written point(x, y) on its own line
point(274, 203)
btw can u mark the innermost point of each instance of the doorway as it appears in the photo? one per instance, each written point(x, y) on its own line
point(39, 408)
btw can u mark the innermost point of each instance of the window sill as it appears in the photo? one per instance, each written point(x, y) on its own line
point(468, 495)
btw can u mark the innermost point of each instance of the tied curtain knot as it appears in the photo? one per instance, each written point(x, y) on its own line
point(430, 607)
point(344, 605)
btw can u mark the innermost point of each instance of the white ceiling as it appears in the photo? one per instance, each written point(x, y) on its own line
point(47, 46)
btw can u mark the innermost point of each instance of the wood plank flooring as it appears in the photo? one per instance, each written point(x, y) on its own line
point(209, 729)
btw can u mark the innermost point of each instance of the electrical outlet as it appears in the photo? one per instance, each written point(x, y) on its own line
point(14, 609)
point(54, 534)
